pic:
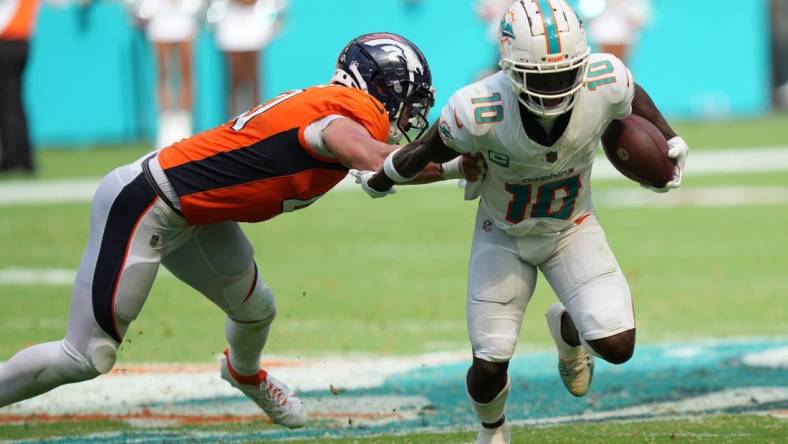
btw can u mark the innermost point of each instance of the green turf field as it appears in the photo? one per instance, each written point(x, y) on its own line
point(722, 429)
point(387, 277)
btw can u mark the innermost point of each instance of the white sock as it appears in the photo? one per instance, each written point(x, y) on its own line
point(246, 342)
point(492, 411)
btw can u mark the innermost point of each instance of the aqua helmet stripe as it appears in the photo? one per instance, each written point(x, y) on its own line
point(550, 27)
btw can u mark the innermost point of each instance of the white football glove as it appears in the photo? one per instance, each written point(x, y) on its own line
point(677, 151)
point(362, 177)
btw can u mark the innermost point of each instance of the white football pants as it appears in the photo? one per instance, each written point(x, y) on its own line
point(577, 263)
point(132, 231)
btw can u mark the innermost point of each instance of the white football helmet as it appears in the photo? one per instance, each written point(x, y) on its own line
point(544, 54)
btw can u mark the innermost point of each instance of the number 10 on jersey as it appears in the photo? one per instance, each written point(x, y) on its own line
point(565, 191)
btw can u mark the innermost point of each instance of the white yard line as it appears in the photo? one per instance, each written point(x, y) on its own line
point(700, 163)
point(776, 358)
point(710, 197)
point(718, 162)
point(46, 276)
point(36, 276)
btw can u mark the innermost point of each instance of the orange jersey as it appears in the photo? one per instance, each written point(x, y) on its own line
point(259, 165)
point(21, 22)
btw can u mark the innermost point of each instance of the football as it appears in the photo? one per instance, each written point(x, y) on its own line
point(638, 150)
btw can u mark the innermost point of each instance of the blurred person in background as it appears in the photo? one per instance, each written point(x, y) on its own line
point(491, 12)
point(243, 29)
point(614, 25)
point(171, 26)
point(17, 23)
point(780, 53)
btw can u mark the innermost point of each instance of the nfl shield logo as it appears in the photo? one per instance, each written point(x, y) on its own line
point(487, 226)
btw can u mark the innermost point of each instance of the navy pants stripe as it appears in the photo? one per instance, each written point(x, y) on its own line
point(131, 205)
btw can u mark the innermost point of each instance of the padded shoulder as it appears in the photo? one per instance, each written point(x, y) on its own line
point(470, 112)
point(608, 78)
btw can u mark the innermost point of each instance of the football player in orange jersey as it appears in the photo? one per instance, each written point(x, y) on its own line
point(180, 207)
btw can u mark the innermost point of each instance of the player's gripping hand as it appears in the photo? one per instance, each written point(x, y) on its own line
point(677, 151)
point(362, 177)
point(466, 166)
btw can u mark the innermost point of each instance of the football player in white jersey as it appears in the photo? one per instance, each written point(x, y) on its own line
point(538, 124)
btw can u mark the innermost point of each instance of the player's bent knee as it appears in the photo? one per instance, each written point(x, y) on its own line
point(494, 337)
point(259, 306)
point(498, 349)
point(103, 357)
point(486, 379)
point(616, 349)
point(72, 365)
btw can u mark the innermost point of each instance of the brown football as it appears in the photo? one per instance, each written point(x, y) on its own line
point(638, 150)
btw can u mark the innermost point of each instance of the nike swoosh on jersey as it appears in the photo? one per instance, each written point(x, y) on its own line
point(457, 120)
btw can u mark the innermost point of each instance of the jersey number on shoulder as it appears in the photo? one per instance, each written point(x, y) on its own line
point(488, 109)
point(243, 119)
point(599, 74)
point(545, 195)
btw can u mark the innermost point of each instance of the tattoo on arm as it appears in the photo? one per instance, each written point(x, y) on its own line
point(414, 157)
point(643, 106)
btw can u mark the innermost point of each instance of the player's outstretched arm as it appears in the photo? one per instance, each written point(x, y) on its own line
point(410, 160)
point(353, 146)
point(357, 150)
point(643, 106)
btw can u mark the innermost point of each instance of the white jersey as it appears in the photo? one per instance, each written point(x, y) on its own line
point(531, 188)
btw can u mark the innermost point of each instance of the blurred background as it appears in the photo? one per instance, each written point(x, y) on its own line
point(95, 68)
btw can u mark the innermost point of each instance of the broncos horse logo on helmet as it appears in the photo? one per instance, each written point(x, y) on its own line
point(394, 71)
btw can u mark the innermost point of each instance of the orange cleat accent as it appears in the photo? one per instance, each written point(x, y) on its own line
point(254, 380)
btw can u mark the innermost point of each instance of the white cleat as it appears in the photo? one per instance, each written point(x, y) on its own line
point(575, 364)
point(278, 402)
point(499, 435)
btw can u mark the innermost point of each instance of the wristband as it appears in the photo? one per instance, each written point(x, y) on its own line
point(452, 169)
point(391, 172)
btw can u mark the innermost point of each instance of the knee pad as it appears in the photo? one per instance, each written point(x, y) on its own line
point(73, 366)
point(102, 354)
point(494, 336)
point(255, 304)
